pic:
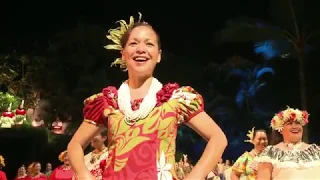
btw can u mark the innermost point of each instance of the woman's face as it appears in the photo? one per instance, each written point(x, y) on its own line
point(98, 141)
point(66, 159)
point(141, 52)
point(260, 140)
point(37, 168)
point(227, 162)
point(22, 170)
point(292, 131)
point(48, 167)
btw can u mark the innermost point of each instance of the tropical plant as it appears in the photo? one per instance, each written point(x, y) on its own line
point(74, 66)
point(8, 70)
point(294, 32)
point(6, 99)
point(251, 78)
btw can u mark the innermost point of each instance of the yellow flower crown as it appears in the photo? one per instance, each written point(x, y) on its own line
point(115, 36)
point(2, 161)
point(61, 156)
point(250, 135)
point(289, 114)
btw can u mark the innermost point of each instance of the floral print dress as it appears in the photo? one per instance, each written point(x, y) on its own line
point(145, 150)
point(246, 166)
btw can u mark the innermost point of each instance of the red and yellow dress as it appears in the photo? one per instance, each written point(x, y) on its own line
point(246, 166)
point(62, 173)
point(146, 149)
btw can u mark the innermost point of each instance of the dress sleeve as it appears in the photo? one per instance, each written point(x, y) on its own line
point(190, 103)
point(95, 110)
point(241, 163)
point(53, 175)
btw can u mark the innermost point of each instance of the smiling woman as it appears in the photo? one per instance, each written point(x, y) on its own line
point(291, 159)
point(245, 165)
point(143, 115)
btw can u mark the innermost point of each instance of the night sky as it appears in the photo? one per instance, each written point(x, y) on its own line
point(185, 28)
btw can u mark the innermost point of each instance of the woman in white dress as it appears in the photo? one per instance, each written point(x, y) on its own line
point(96, 159)
point(291, 159)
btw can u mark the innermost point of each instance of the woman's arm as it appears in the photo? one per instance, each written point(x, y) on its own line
point(217, 142)
point(264, 171)
point(235, 175)
point(78, 143)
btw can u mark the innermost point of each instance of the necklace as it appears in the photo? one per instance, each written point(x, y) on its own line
point(146, 106)
point(96, 156)
point(292, 146)
point(254, 153)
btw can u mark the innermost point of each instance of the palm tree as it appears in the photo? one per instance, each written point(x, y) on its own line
point(291, 36)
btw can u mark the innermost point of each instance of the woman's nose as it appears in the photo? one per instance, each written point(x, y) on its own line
point(141, 48)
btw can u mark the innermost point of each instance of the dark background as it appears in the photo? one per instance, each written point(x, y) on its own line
point(191, 56)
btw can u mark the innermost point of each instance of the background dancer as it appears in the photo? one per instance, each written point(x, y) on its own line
point(2, 173)
point(143, 115)
point(245, 164)
point(22, 173)
point(96, 159)
point(62, 172)
point(291, 159)
point(34, 172)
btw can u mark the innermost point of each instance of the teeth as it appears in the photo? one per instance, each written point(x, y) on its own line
point(140, 59)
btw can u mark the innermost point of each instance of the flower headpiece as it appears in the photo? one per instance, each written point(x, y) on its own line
point(250, 135)
point(2, 161)
point(116, 34)
point(61, 155)
point(289, 114)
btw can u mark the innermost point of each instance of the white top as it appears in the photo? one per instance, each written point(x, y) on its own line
point(293, 164)
point(93, 160)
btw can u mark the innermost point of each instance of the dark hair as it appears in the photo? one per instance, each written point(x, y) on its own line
point(258, 130)
point(126, 35)
point(276, 138)
point(104, 133)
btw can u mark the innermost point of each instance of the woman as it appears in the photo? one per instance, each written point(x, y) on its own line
point(179, 170)
point(245, 164)
point(187, 166)
point(142, 116)
point(48, 170)
point(96, 159)
point(2, 164)
point(22, 173)
point(291, 159)
point(227, 164)
point(63, 172)
point(34, 172)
